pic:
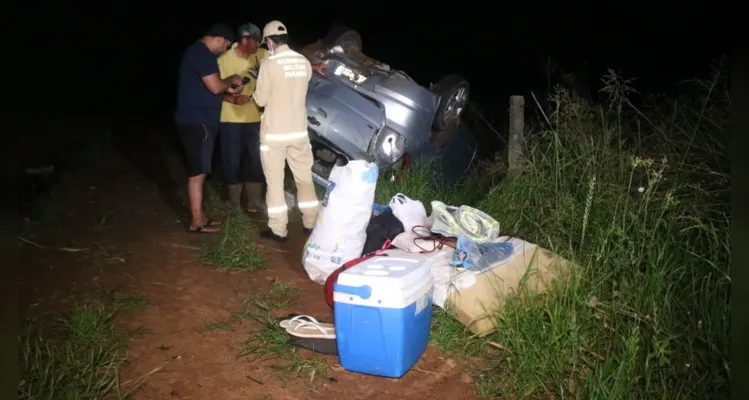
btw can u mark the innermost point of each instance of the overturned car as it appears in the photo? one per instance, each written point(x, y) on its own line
point(363, 109)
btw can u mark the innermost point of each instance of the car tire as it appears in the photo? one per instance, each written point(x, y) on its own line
point(451, 89)
point(347, 38)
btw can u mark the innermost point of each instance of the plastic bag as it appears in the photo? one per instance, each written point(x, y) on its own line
point(341, 226)
point(464, 220)
point(410, 212)
point(480, 257)
point(418, 240)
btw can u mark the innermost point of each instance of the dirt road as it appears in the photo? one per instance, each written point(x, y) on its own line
point(127, 215)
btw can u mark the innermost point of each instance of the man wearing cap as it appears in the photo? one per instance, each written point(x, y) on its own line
point(282, 89)
point(240, 119)
point(200, 91)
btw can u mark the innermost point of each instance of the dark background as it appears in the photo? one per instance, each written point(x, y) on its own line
point(121, 57)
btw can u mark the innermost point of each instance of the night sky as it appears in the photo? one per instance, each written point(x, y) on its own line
point(127, 54)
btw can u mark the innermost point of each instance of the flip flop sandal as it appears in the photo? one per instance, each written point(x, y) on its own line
point(201, 228)
point(217, 222)
point(309, 330)
point(322, 346)
point(311, 336)
point(299, 319)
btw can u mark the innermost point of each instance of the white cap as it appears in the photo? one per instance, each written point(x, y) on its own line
point(274, 28)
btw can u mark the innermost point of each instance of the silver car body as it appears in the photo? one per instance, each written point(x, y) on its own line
point(373, 113)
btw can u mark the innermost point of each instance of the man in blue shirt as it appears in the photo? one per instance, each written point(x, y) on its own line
point(200, 91)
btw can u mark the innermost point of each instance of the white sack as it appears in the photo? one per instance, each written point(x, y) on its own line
point(341, 226)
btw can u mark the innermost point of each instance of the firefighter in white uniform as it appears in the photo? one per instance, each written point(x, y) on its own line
point(281, 88)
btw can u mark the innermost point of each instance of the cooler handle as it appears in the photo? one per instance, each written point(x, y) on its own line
point(364, 291)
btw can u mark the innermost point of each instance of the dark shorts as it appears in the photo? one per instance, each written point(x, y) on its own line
point(198, 141)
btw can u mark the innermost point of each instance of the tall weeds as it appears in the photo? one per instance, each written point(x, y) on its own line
point(639, 199)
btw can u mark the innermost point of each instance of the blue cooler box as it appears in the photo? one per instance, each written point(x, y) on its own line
point(383, 314)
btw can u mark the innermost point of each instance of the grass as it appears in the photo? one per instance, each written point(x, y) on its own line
point(218, 326)
point(270, 341)
point(277, 296)
point(77, 358)
point(451, 336)
point(639, 198)
point(127, 303)
point(234, 248)
point(79, 355)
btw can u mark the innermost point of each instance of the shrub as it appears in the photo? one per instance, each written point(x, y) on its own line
point(639, 198)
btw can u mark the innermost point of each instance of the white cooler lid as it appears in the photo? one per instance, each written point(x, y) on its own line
point(398, 270)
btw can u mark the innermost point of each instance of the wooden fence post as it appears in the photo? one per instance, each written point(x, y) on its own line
point(515, 144)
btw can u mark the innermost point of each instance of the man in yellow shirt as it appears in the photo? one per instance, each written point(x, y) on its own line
point(240, 118)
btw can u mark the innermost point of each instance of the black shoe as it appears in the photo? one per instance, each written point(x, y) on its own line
point(307, 231)
point(272, 236)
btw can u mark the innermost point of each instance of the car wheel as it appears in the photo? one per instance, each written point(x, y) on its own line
point(347, 38)
point(453, 91)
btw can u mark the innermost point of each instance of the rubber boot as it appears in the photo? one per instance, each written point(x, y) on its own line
point(235, 195)
point(253, 192)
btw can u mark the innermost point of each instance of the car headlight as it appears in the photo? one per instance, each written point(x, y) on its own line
point(351, 74)
point(389, 146)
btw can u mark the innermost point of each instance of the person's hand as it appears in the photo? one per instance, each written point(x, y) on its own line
point(320, 68)
point(241, 100)
point(235, 80)
point(234, 89)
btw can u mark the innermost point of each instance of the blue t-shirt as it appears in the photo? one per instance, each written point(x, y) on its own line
point(195, 103)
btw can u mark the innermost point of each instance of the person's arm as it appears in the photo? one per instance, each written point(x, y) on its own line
point(237, 99)
point(223, 74)
point(215, 84)
point(319, 68)
point(208, 70)
point(223, 70)
point(262, 86)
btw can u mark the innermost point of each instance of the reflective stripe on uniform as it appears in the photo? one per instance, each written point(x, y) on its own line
point(308, 204)
point(278, 210)
point(285, 54)
point(282, 137)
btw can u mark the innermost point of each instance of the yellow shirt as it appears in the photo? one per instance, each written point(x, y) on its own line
point(229, 64)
